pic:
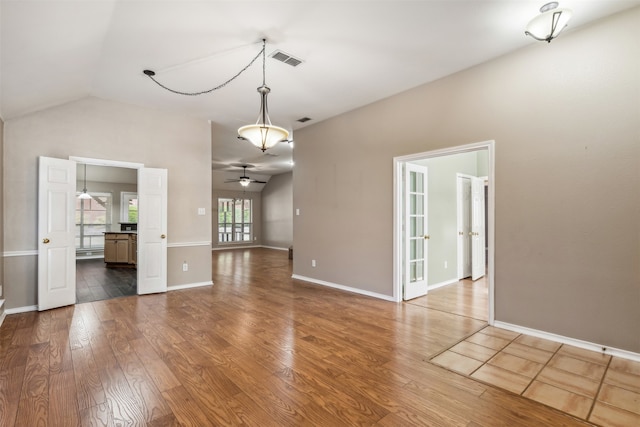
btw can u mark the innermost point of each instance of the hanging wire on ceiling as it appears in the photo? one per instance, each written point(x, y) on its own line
point(151, 74)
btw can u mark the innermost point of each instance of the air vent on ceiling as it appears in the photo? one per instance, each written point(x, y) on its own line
point(286, 58)
point(304, 119)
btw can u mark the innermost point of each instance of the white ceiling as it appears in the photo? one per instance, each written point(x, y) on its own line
point(354, 52)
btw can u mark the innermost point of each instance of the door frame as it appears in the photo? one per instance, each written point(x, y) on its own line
point(111, 163)
point(398, 221)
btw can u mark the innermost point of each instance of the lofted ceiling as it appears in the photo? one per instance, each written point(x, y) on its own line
point(353, 52)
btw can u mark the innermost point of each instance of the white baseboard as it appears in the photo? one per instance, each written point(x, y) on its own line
point(189, 285)
point(21, 309)
point(344, 288)
point(441, 284)
point(224, 248)
point(600, 348)
point(274, 247)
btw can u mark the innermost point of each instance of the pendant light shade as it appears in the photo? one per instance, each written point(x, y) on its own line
point(549, 24)
point(263, 134)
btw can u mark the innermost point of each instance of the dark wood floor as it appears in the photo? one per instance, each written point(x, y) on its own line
point(95, 282)
point(256, 349)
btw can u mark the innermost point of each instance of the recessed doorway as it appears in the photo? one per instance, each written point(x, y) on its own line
point(109, 209)
point(442, 236)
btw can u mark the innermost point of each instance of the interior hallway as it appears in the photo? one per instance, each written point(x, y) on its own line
point(257, 348)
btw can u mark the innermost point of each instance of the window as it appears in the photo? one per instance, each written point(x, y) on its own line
point(93, 218)
point(129, 207)
point(234, 220)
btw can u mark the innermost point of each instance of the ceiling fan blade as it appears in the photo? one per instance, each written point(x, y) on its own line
point(258, 182)
point(231, 180)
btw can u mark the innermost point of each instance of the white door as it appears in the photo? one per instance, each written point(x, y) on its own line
point(56, 233)
point(152, 230)
point(416, 235)
point(477, 228)
point(464, 226)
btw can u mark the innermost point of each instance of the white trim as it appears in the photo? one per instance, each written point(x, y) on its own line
point(24, 309)
point(344, 288)
point(3, 314)
point(189, 286)
point(397, 213)
point(273, 247)
point(223, 248)
point(169, 245)
point(103, 162)
point(600, 348)
point(187, 244)
point(19, 253)
point(441, 284)
point(80, 258)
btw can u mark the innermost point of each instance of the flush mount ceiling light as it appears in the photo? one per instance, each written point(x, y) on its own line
point(262, 134)
point(84, 195)
point(548, 25)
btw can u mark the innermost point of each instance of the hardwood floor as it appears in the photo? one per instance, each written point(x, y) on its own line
point(256, 349)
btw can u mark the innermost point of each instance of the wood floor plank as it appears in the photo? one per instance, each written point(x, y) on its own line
point(10, 390)
point(63, 407)
point(125, 407)
point(34, 397)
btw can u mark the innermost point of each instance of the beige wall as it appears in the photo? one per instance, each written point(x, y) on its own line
point(102, 129)
point(257, 214)
point(566, 120)
point(277, 211)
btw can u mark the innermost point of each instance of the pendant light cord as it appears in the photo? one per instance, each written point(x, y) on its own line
point(151, 74)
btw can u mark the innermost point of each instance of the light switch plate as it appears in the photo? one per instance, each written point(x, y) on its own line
point(201, 211)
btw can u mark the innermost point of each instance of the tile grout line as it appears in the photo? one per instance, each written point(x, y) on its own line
point(595, 397)
point(429, 358)
point(542, 369)
point(497, 352)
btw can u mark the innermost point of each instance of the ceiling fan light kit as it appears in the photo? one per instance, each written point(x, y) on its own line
point(244, 180)
point(550, 23)
point(262, 134)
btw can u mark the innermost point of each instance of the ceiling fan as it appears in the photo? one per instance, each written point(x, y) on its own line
point(244, 180)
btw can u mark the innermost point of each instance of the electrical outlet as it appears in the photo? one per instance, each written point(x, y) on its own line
point(313, 263)
point(201, 211)
point(185, 266)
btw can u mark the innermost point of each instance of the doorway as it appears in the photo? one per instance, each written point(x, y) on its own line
point(108, 211)
point(57, 229)
point(444, 236)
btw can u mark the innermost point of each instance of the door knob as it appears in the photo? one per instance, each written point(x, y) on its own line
point(460, 233)
point(162, 236)
point(427, 237)
point(45, 240)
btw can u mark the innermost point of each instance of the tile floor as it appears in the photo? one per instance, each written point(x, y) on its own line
point(96, 282)
point(601, 389)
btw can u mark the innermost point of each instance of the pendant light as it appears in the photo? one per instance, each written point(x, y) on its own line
point(263, 134)
point(84, 195)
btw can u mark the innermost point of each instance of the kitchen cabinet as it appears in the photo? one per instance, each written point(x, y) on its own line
point(120, 248)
